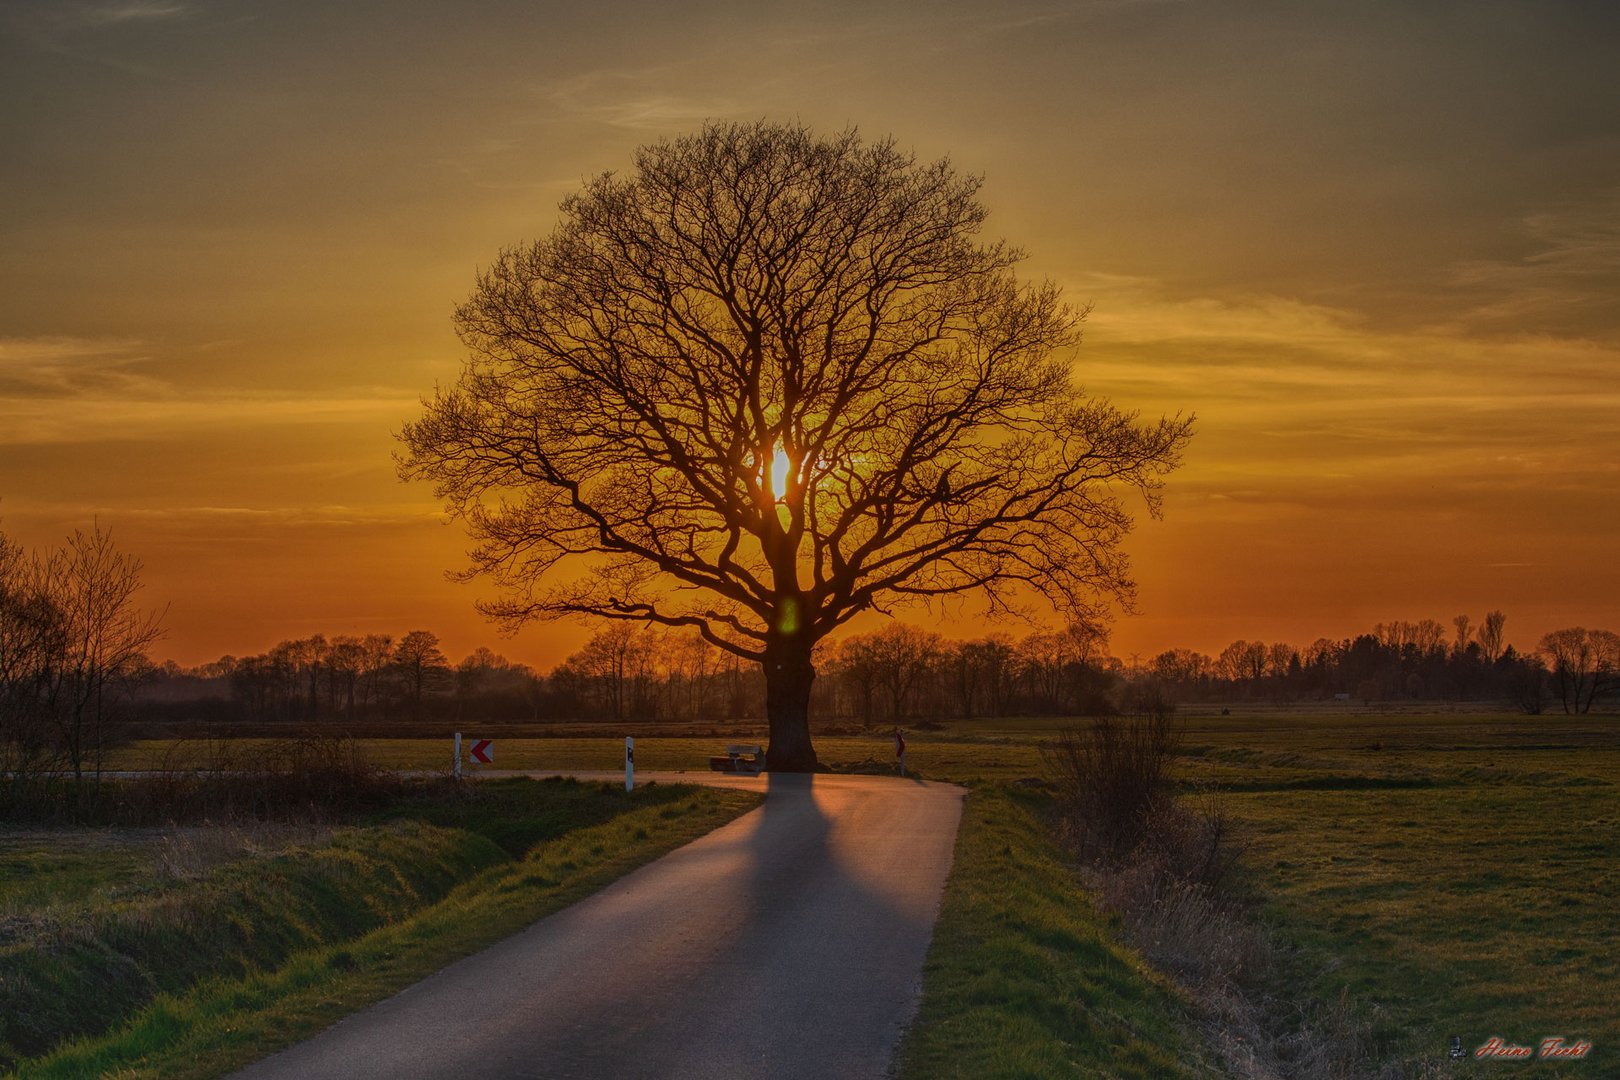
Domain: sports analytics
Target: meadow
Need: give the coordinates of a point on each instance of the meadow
(1421, 874)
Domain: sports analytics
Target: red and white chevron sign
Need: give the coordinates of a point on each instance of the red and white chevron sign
(483, 751)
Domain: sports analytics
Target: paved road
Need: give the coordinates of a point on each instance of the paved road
(787, 944)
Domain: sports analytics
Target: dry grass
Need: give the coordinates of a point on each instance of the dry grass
(191, 851)
(1164, 865)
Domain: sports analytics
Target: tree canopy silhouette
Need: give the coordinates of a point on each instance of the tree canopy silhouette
(767, 381)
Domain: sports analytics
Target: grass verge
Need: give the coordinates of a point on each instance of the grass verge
(226, 1020)
(1025, 978)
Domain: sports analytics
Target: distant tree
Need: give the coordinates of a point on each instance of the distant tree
(376, 664)
(1244, 661)
(611, 659)
(690, 661)
(1058, 667)
(768, 381)
(1490, 635)
(901, 655)
(1585, 665)
(1183, 667)
(474, 671)
(998, 658)
(1421, 637)
(978, 673)
(345, 660)
(496, 687)
(858, 667)
(1281, 658)
(1464, 634)
(420, 661)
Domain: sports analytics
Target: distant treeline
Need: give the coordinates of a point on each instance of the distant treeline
(900, 674)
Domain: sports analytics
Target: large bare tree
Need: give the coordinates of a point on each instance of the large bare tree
(767, 381)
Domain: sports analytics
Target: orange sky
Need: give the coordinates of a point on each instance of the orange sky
(1376, 251)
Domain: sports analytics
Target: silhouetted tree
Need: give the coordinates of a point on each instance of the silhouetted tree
(73, 643)
(419, 659)
(768, 381)
(105, 637)
(611, 660)
(897, 655)
(1490, 635)
(1585, 665)
(1465, 634)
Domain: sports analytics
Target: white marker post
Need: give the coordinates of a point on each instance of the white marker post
(457, 765)
(629, 763)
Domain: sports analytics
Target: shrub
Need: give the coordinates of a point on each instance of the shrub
(1113, 780)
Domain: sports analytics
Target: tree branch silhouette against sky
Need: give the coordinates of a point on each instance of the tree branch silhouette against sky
(1374, 248)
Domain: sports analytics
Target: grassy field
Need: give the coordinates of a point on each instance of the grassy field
(164, 964)
(1444, 874)
(1440, 873)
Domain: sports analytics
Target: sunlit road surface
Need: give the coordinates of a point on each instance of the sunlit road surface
(788, 943)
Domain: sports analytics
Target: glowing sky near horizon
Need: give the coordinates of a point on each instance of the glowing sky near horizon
(1375, 247)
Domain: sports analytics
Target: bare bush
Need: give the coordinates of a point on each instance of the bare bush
(1114, 779)
(1164, 865)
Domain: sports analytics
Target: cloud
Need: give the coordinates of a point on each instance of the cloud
(69, 366)
(1307, 405)
(85, 390)
(97, 419)
(131, 11)
(1569, 276)
(633, 100)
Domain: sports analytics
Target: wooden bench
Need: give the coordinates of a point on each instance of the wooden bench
(749, 760)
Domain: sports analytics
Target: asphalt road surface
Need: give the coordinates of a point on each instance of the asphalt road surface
(787, 944)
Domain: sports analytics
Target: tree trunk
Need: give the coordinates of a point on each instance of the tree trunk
(788, 675)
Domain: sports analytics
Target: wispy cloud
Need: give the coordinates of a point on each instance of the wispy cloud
(1570, 274)
(633, 100)
(1307, 405)
(130, 11)
(68, 366)
(86, 390)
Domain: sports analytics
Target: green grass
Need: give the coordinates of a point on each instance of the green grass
(1451, 873)
(1025, 978)
(261, 953)
(45, 868)
(1447, 874)
(1471, 909)
(80, 976)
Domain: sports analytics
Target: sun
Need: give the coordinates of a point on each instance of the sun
(781, 468)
